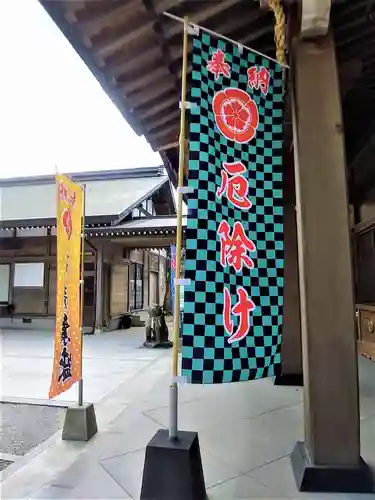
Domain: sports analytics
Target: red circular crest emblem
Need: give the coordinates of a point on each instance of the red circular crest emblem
(236, 114)
(66, 219)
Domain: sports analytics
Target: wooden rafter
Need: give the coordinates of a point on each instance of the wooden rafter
(170, 145)
(173, 28)
(108, 45)
(144, 96)
(144, 80)
(126, 67)
(158, 107)
(135, 53)
(72, 13)
(111, 17)
(170, 130)
(151, 125)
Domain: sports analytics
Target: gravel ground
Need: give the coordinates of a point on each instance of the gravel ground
(22, 426)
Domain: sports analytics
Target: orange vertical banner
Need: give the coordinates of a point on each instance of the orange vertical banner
(67, 363)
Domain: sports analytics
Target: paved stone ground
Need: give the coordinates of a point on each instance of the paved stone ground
(22, 427)
(109, 360)
(246, 432)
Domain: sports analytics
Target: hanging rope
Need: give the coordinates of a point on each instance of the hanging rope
(278, 12)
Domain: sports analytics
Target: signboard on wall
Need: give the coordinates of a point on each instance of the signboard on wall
(154, 262)
(136, 256)
(233, 307)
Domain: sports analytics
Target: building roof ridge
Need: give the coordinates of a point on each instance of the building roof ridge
(89, 176)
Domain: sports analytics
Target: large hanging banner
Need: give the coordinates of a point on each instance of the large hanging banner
(67, 353)
(234, 238)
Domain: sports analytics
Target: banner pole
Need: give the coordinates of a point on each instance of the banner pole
(173, 417)
(82, 290)
(223, 37)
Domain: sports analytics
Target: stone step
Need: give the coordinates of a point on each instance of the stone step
(136, 320)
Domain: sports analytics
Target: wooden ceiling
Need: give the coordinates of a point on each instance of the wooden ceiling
(135, 52)
(353, 23)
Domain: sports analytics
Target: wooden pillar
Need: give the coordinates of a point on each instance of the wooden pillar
(99, 291)
(329, 459)
(47, 272)
(291, 349)
(146, 279)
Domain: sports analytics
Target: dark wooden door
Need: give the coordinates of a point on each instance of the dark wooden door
(89, 300)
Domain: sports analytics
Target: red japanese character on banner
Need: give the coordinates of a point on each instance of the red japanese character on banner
(64, 195)
(258, 78)
(236, 186)
(234, 247)
(217, 65)
(242, 309)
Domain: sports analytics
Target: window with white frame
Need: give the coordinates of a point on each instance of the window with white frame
(150, 207)
(144, 206)
(4, 282)
(29, 274)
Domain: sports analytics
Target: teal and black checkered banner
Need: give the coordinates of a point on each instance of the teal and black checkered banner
(233, 309)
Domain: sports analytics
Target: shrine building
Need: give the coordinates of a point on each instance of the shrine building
(130, 223)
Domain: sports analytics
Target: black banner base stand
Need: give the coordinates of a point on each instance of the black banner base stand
(173, 468)
(80, 423)
(330, 479)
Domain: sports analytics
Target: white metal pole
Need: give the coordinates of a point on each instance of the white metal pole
(82, 290)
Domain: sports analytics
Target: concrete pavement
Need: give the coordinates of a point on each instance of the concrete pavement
(246, 433)
(109, 360)
(26, 422)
